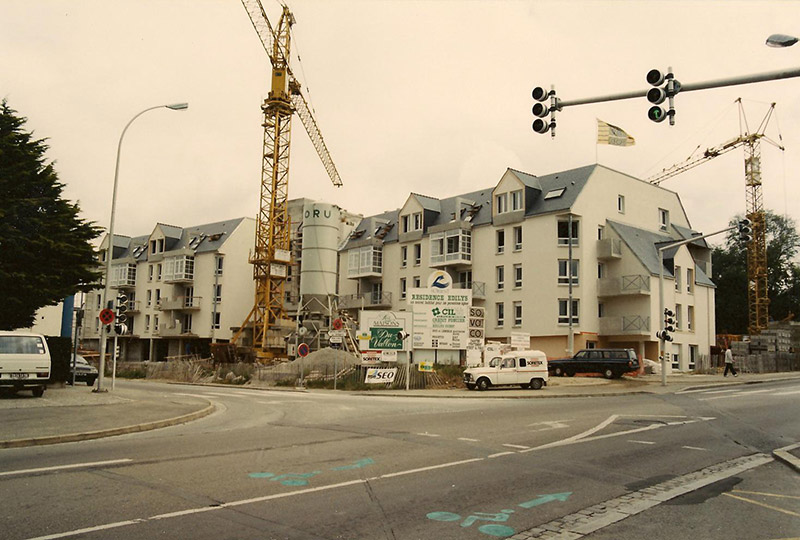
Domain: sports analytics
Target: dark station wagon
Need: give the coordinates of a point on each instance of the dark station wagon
(611, 363)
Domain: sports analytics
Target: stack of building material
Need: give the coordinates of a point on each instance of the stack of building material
(740, 348)
(782, 338)
(763, 343)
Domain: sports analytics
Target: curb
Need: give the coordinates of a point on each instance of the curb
(783, 455)
(111, 432)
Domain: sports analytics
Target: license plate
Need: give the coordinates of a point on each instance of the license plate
(19, 375)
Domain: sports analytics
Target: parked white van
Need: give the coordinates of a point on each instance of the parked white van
(526, 369)
(24, 362)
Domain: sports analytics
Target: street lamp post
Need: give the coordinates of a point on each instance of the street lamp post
(110, 248)
(661, 249)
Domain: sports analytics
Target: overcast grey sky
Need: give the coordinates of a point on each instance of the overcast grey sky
(429, 96)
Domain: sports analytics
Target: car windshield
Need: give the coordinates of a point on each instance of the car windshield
(495, 361)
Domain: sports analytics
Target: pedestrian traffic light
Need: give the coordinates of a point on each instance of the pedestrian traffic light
(745, 230)
(540, 110)
(658, 94)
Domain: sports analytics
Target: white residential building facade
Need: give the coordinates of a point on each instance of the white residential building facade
(511, 245)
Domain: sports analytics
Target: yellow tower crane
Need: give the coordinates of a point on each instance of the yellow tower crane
(757, 295)
(272, 255)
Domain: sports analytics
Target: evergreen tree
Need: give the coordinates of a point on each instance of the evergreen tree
(46, 253)
(783, 275)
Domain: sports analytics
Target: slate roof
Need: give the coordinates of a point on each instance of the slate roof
(644, 244)
(572, 181)
(200, 238)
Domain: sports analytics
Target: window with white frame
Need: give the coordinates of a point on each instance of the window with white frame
(187, 322)
(564, 312)
(517, 313)
(601, 232)
(417, 221)
(564, 271)
(402, 288)
(365, 260)
(601, 270)
(155, 323)
(663, 219)
(411, 222)
(217, 293)
(518, 238)
(694, 353)
(417, 254)
(218, 270)
(601, 310)
(452, 245)
(678, 317)
(403, 256)
(501, 241)
(147, 323)
(149, 297)
(690, 281)
(216, 317)
(516, 200)
(500, 272)
(564, 233)
(518, 276)
(150, 272)
(677, 279)
(501, 203)
(500, 312)
(621, 204)
(690, 318)
(417, 282)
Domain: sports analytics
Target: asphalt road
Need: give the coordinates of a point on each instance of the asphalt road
(274, 465)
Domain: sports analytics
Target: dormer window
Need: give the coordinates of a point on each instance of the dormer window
(516, 200)
(501, 203)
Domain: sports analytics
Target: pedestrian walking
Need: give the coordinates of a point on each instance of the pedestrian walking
(729, 364)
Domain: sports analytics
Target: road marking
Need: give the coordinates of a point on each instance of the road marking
(641, 442)
(766, 494)
(221, 394)
(787, 393)
(738, 394)
(500, 454)
(64, 467)
(517, 446)
(695, 448)
(426, 434)
(762, 504)
(468, 440)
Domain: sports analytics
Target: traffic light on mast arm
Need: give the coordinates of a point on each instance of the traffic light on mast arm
(657, 95)
(745, 230)
(540, 110)
(120, 309)
(669, 321)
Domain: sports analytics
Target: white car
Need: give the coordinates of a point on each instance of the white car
(526, 369)
(24, 362)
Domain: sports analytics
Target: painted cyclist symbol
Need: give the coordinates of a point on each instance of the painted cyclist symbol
(499, 531)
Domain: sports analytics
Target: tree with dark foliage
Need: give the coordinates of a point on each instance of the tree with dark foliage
(783, 275)
(46, 253)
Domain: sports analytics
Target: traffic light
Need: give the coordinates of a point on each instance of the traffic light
(669, 321)
(540, 110)
(120, 307)
(658, 94)
(745, 230)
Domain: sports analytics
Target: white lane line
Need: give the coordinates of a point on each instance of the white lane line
(577, 437)
(641, 442)
(500, 454)
(517, 446)
(64, 467)
(724, 391)
(695, 448)
(222, 395)
(426, 434)
(787, 393)
(468, 440)
(739, 394)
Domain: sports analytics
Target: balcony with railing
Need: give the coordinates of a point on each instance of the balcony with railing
(623, 286)
(625, 325)
(179, 303)
(366, 261)
(609, 248)
(134, 306)
(478, 288)
(366, 300)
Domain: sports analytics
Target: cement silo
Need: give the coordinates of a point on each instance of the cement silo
(321, 231)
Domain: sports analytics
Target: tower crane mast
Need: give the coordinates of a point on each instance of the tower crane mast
(757, 294)
(272, 255)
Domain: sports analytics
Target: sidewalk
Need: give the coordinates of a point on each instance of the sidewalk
(67, 414)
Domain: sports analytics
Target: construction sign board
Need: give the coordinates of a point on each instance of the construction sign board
(441, 314)
(384, 330)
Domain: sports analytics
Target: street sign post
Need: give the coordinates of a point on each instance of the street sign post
(106, 316)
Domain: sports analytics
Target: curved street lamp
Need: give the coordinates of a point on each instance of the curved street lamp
(781, 40)
(110, 248)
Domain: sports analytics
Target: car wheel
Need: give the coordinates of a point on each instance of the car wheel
(38, 391)
(483, 384)
(609, 373)
(536, 384)
(559, 372)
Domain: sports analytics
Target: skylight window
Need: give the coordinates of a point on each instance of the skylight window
(555, 193)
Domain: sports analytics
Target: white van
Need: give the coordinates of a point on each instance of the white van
(526, 369)
(24, 362)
